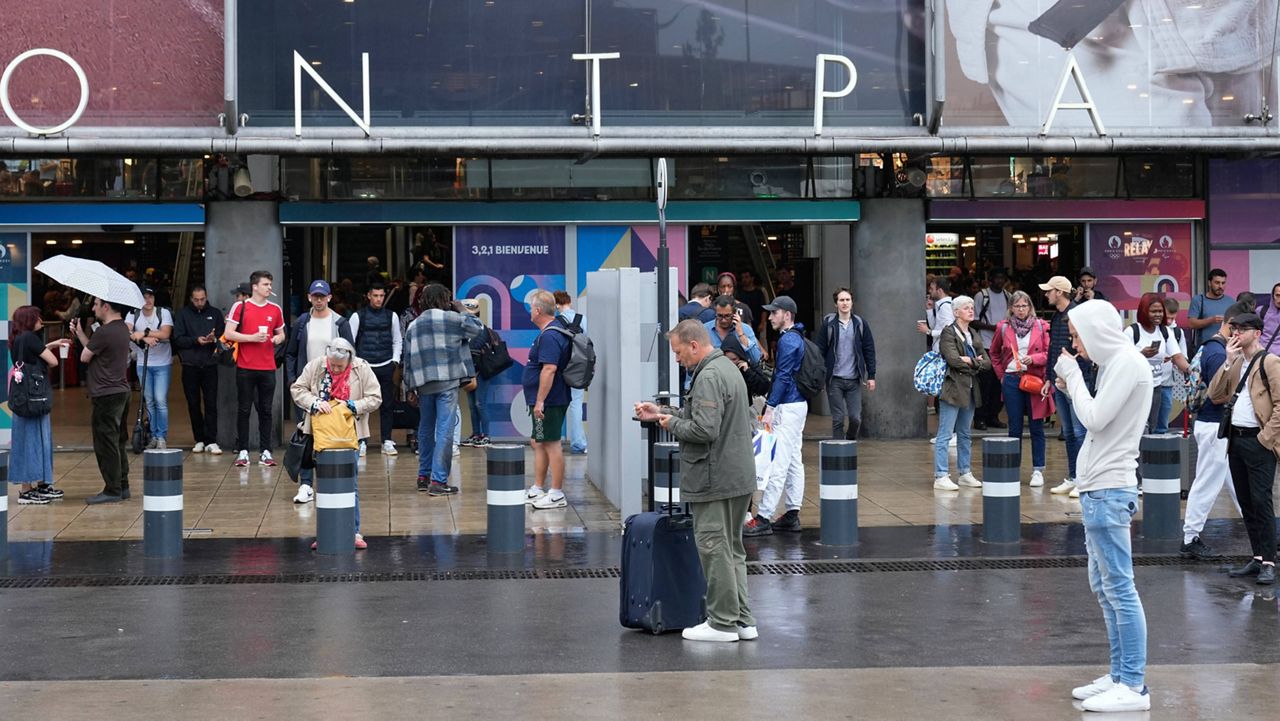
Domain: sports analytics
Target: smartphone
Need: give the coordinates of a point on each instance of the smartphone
(739, 311)
(1155, 345)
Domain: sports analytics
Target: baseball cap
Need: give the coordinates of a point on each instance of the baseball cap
(242, 289)
(1087, 270)
(320, 287)
(1247, 320)
(148, 290)
(782, 302)
(1057, 282)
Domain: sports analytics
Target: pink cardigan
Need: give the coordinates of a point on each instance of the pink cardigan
(1003, 345)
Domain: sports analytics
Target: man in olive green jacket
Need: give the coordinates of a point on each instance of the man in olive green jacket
(717, 476)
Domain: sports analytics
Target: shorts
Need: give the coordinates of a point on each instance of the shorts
(551, 427)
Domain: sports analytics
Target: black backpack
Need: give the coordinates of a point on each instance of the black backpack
(493, 358)
(29, 394)
(811, 378)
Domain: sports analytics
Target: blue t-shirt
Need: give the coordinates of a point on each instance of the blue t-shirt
(550, 347)
(1212, 356)
(1203, 306)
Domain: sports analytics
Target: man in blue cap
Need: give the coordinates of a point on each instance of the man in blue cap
(311, 334)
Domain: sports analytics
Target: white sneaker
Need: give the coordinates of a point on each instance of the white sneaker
(364, 449)
(944, 483)
(1119, 698)
(198, 448)
(1075, 493)
(389, 448)
(1093, 688)
(704, 632)
(550, 500)
(242, 458)
(1037, 479)
(950, 444)
(213, 448)
(161, 444)
(533, 494)
(265, 459)
(457, 450)
(968, 480)
(1063, 488)
(748, 633)
(305, 494)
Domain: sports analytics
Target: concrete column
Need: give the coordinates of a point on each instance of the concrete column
(887, 268)
(241, 237)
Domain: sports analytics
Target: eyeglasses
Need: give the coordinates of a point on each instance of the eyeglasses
(1021, 305)
(724, 316)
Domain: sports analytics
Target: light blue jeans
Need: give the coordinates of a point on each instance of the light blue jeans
(1161, 406)
(1072, 429)
(478, 399)
(573, 422)
(156, 396)
(437, 414)
(953, 419)
(1107, 514)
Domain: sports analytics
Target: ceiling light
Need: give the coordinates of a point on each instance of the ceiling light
(128, 241)
(51, 241)
(76, 241)
(771, 237)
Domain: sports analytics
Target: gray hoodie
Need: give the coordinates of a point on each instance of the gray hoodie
(1116, 415)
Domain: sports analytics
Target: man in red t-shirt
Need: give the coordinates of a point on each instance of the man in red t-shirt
(257, 327)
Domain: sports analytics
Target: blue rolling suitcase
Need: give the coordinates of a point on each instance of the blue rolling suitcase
(662, 587)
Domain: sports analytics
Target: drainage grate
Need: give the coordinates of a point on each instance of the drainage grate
(789, 568)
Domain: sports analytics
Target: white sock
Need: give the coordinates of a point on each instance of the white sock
(556, 494)
(536, 489)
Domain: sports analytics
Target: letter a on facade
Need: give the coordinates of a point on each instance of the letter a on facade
(1072, 72)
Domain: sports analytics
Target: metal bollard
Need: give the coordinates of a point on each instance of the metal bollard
(504, 465)
(1160, 458)
(162, 503)
(666, 475)
(335, 478)
(1001, 490)
(838, 492)
(4, 505)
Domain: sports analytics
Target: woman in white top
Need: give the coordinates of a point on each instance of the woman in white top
(152, 327)
(1165, 350)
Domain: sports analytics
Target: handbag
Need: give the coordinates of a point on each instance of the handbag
(29, 394)
(297, 455)
(334, 430)
(1027, 383)
(493, 358)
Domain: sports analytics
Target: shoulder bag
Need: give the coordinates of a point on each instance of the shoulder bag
(1027, 383)
(1224, 425)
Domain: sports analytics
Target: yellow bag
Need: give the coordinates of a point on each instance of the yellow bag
(334, 430)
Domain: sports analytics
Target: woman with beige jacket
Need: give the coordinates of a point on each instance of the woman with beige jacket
(338, 377)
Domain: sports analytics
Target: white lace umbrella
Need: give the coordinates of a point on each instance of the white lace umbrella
(94, 278)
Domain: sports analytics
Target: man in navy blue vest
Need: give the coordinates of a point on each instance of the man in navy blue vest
(378, 341)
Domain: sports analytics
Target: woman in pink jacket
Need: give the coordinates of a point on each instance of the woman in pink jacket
(1020, 349)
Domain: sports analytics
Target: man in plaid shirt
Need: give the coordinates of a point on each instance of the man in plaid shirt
(437, 357)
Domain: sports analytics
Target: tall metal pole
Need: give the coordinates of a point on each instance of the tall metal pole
(664, 282)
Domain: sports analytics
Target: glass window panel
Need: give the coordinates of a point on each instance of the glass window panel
(503, 62)
(1160, 176)
(1045, 177)
(112, 178)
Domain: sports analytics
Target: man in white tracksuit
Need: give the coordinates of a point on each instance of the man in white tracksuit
(1106, 477)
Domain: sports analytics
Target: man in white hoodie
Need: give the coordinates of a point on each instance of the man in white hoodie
(1106, 477)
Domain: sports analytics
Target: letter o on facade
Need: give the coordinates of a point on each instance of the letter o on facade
(8, 107)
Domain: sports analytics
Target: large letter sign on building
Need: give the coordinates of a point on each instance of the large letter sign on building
(1072, 72)
(300, 64)
(594, 108)
(8, 107)
(819, 85)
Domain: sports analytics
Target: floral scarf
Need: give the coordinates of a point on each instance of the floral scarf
(1022, 327)
(335, 386)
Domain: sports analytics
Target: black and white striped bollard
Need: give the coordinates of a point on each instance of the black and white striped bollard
(335, 477)
(1160, 458)
(504, 465)
(4, 505)
(162, 503)
(838, 492)
(666, 475)
(1001, 490)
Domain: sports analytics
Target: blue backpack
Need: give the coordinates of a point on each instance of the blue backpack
(930, 371)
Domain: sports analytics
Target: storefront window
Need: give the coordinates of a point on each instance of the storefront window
(1048, 176)
(144, 179)
(761, 177)
(376, 178)
(499, 62)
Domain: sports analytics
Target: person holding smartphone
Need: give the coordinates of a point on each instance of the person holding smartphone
(730, 331)
(1164, 350)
